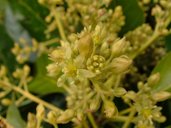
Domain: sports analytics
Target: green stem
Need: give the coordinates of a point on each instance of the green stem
(118, 80)
(20, 100)
(130, 118)
(119, 119)
(59, 24)
(85, 125)
(30, 96)
(125, 111)
(91, 119)
(49, 42)
(55, 126)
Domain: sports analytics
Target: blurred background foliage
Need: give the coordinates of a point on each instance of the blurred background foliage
(25, 19)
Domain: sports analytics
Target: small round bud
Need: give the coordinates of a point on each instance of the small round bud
(6, 101)
(120, 64)
(110, 109)
(119, 47)
(66, 116)
(40, 111)
(95, 103)
(26, 69)
(153, 79)
(161, 96)
(52, 117)
(119, 92)
(32, 121)
(85, 45)
(16, 49)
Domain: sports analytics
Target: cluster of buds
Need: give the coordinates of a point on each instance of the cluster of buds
(22, 77)
(51, 117)
(24, 51)
(144, 102)
(162, 12)
(4, 91)
(83, 13)
(83, 69)
(137, 37)
(144, 4)
(22, 73)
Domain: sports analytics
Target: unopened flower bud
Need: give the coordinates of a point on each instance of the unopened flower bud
(161, 96)
(110, 109)
(66, 116)
(32, 121)
(16, 49)
(160, 119)
(95, 104)
(85, 45)
(119, 92)
(40, 111)
(52, 117)
(119, 47)
(18, 73)
(130, 95)
(120, 64)
(26, 69)
(6, 101)
(153, 79)
(80, 116)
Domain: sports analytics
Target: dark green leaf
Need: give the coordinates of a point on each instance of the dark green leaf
(6, 57)
(14, 117)
(31, 15)
(42, 84)
(133, 13)
(14, 28)
(164, 68)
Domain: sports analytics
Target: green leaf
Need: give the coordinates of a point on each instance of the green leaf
(42, 84)
(6, 57)
(164, 68)
(14, 117)
(14, 28)
(31, 15)
(133, 13)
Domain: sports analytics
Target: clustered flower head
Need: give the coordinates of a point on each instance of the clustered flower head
(83, 13)
(91, 64)
(144, 101)
(83, 66)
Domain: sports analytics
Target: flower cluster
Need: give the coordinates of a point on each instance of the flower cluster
(144, 102)
(87, 68)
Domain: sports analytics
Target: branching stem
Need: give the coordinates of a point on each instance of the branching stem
(59, 24)
(30, 96)
(130, 117)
